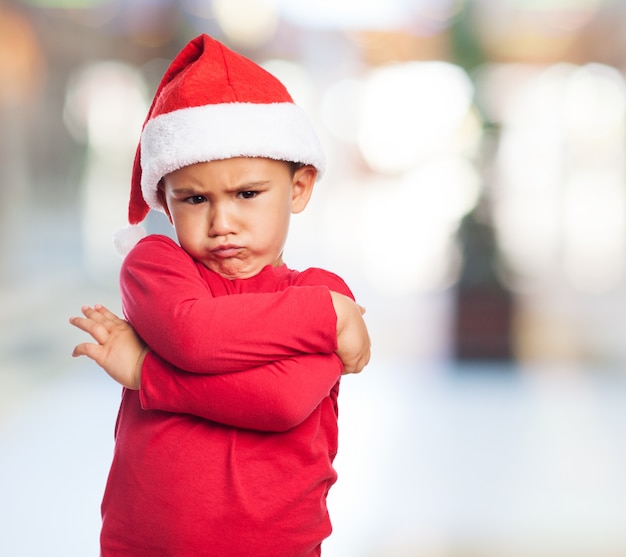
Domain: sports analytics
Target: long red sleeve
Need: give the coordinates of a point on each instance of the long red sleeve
(182, 311)
(275, 397)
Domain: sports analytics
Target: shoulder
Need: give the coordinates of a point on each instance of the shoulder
(321, 277)
(152, 245)
(156, 250)
(154, 242)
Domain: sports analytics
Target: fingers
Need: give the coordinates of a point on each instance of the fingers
(89, 349)
(97, 322)
(97, 313)
(98, 331)
(79, 350)
(101, 313)
(79, 323)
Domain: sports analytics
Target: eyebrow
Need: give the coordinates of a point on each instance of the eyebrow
(241, 187)
(249, 185)
(186, 191)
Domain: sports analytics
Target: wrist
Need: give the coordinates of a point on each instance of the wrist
(139, 367)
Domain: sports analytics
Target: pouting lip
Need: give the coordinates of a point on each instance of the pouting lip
(225, 247)
(226, 250)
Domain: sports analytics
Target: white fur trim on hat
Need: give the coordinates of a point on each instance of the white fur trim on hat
(170, 141)
(125, 238)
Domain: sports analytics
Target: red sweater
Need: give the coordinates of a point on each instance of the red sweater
(227, 448)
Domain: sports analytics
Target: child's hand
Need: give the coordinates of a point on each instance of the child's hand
(353, 341)
(120, 352)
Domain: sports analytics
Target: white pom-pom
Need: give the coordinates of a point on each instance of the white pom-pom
(126, 238)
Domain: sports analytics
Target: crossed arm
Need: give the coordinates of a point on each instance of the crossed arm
(272, 396)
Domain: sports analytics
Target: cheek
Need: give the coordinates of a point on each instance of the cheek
(184, 222)
(278, 211)
(280, 225)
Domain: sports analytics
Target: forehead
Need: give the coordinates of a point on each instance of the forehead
(229, 171)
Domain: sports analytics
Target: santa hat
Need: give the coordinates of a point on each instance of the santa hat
(213, 103)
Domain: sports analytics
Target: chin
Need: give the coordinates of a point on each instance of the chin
(233, 271)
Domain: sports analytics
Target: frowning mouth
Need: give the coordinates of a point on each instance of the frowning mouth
(226, 251)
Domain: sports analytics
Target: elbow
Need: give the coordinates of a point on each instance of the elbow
(288, 415)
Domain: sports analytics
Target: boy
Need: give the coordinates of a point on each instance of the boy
(228, 423)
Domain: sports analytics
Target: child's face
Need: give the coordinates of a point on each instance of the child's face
(233, 215)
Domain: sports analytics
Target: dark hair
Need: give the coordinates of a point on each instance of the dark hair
(293, 166)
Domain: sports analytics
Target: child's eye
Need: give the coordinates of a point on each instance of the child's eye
(247, 194)
(195, 199)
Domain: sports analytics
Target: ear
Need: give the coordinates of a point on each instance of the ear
(302, 187)
(162, 200)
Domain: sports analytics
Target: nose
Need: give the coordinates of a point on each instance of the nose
(222, 220)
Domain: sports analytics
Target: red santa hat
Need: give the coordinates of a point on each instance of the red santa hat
(213, 103)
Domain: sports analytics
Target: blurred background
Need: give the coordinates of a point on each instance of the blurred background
(475, 202)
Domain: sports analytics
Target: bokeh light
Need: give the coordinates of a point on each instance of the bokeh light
(411, 112)
(247, 23)
(563, 212)
(105, 107)
(408, 226)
